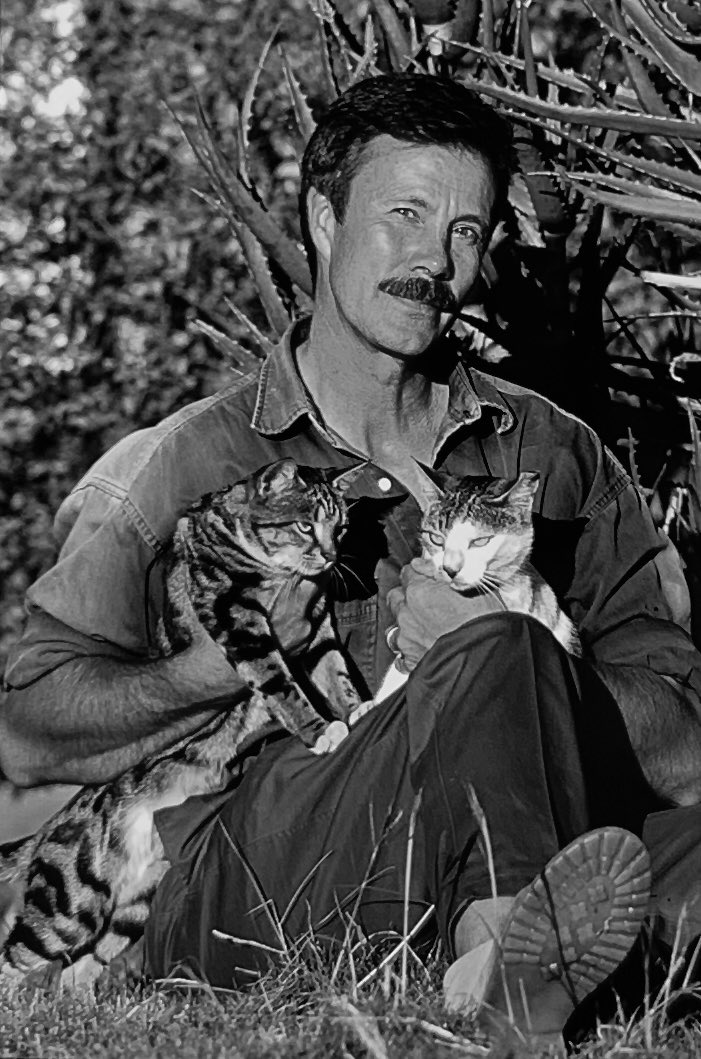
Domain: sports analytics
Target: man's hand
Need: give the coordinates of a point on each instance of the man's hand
(425, 607)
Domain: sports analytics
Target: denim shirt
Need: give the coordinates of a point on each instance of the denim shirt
(618, 577)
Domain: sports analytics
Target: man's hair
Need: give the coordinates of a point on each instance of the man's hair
(414, 108)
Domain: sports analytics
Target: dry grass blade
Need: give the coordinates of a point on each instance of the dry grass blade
(401, 947)
(364, 1027)
(265, 902)
(407, 887)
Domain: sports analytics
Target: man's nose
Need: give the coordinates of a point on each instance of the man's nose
(431, 257)
(452, 562)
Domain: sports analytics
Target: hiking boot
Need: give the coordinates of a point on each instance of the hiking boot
(525, 962)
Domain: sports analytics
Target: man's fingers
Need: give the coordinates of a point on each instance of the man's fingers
(395, 599)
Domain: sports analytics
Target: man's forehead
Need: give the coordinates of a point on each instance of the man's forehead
(389, 166)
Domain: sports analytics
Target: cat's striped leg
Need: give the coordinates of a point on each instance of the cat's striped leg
(328, 670)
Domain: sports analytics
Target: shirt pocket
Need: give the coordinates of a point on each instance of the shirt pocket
(356, 624)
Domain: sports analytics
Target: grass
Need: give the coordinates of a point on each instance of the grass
(305, 1009)
(369, 997)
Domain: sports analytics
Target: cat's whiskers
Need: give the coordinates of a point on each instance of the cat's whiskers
(351, 571)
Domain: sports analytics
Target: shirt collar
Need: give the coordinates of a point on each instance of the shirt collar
(282, 398)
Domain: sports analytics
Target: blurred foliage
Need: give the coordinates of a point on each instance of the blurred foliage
(109, 259)
(106, 255)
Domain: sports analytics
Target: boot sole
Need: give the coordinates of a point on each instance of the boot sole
(579, 918)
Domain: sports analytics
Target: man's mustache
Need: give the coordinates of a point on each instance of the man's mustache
(433, 292)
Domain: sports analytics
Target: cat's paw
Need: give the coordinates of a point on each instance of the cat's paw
(334, 734)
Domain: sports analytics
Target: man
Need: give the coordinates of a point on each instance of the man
(403, 182)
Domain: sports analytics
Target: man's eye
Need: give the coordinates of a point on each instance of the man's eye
(466, 234)
(306, 528)
(406, 211)
(479, 542)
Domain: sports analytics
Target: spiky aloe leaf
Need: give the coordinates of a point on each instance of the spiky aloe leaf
(240, 359)
(524, 32)
(549, 201)
(600, 118)
(522, 205)
(465, 22)
(675, 176)
(669, 21)
(257, 261)
(667, 279)
(632, 187)
(684, 211)
(695, 464)
(302, 111)
(367, 67)
(395, 34)
(686, 12)
(620, 34)
(344, 36)
(267, 347)
(682, 66)
(329, 80)
(246, 112)
(569, 79)
(233, 200)
(644, 88)
(488, 38)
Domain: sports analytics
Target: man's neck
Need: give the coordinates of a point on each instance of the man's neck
(377, 404)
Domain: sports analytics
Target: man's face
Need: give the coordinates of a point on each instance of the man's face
(408, 251)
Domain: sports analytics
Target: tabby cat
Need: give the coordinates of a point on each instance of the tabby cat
(243, 559)
(479, 536)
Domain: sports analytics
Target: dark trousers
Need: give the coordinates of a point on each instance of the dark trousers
(496, 707)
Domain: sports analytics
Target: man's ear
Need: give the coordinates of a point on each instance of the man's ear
(322, 223)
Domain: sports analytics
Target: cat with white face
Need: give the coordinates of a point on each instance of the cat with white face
(478, 536)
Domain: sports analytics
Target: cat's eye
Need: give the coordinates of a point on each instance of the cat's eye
(305, 527)
(436, 539)
(479, 542)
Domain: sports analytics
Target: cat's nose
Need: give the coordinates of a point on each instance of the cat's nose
(452, 563)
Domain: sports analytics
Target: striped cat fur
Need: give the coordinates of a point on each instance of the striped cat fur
(246, 559)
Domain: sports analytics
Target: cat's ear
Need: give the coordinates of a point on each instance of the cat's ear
(342, 478)
(516, 492)
(276, 479)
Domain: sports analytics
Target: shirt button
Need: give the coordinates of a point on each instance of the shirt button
(385, 484)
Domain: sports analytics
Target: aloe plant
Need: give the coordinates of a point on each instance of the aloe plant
(605, 210)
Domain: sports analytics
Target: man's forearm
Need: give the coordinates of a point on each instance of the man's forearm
(92, 718)
(664, 726)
